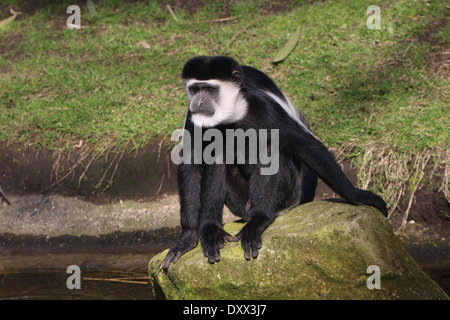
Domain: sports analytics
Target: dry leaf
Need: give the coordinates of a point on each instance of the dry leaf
(290, 45)
(143, 44)
(7, 21)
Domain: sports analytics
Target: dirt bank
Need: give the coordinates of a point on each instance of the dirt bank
(55, 195)
(138, 175)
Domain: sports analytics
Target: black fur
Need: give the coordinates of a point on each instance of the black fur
(206, 68)
(205, 189)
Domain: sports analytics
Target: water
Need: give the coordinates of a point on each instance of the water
(51, 285)
(120, 272)
(103, 277)
(120, 276)
(112, 267)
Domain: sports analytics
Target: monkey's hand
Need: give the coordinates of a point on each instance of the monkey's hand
(361, 197)
(250, 236)
(212, 239)
(188, 241)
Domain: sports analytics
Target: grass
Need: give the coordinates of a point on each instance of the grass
(375, 96)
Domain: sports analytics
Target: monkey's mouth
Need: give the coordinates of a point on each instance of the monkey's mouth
(207, 113)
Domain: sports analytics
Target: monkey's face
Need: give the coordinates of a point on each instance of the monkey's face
(204, 98)
(214, 102)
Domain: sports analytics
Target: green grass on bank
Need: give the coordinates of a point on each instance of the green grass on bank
(374, 94)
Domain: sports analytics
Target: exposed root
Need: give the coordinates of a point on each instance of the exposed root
(420, 171)
(3, 198)
(85, 153)
(123, 280)
(445, 185)
(56, 168)
(114, 172)
(94, 156)
(245, 29)
(395, 175)
(160, 184)
(171, 12)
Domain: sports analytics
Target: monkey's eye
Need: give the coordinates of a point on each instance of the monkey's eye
(194, 90)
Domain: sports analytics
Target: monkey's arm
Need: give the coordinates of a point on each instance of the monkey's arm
(189, 185)
(311, 151)
(212, 235)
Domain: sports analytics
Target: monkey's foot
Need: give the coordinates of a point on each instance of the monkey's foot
(188, 241)
(212, 239)
(250, 236)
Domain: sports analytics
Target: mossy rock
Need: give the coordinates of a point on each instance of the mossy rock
(320, 250)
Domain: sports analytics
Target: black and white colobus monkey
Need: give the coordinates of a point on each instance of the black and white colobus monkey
(225, 95)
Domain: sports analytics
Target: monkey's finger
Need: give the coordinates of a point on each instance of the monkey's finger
(234, 239)
(237, 237)
(172, 257)
(258, 242)
(177, 256)
(228, 237)
(254, 252)
(213, 254)
(217, 255)
(221, 242)
(168, 260)
(256, 245)
(217, 246)
(246, 247)
(210, 251)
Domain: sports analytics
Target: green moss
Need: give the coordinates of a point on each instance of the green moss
(319, 250)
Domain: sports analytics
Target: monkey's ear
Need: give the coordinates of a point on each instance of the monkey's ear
(237, 77)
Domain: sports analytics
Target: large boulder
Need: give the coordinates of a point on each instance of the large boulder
(320, 250)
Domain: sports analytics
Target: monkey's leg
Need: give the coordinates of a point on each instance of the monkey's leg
(268, 194)
(237, 193)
